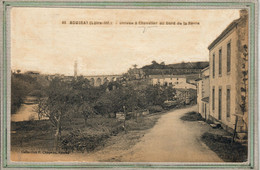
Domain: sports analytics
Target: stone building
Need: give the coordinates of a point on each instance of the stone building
(167, 79)
(203, 93)
(176, 81)
(227, 66)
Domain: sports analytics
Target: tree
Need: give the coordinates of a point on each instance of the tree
(85, 109)
(41, 108)
(154, 62)
(162, 63)
(21, 86)
(55, 106)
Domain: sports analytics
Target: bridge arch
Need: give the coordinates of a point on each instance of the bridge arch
(114, 79)
(92, 81)
(98, 82)
(105, 80)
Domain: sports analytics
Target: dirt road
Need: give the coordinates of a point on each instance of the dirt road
(170, 140)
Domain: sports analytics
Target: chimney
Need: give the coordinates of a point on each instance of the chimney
(243, 13)
(76, 69)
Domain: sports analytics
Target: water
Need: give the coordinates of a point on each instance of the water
(25, 113)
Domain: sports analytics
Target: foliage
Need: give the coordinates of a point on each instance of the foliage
(65, 101)
(155, 109)
(80, 141)
(192, 116)
(23, 85)
(243, 105)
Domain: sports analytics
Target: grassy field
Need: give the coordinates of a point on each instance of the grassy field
(38, 135)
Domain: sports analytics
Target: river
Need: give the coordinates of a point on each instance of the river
(26, 111)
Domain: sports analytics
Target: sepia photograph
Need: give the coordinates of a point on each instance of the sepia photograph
(137, 84)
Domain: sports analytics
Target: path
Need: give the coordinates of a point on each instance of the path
(172, 140)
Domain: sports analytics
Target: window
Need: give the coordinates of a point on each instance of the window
(228, 103)
(213, 98)
(228, 57)
(213, 65)
(220, 61)
(219, 103)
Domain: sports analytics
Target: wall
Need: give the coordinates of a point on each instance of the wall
(203, 89)
(225, 80)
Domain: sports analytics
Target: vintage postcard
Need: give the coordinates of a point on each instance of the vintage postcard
(129, 85)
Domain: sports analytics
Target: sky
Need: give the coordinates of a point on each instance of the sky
(40, 42)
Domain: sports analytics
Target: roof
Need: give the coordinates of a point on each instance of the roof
(206, 68)
(167, 76)
(205, 99)
(225, 32)
(198, 79)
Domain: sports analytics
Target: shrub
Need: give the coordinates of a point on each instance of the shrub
(78, 141)
(192, 116)
(154, 109)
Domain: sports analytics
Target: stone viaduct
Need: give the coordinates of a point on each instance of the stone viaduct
(98, 80)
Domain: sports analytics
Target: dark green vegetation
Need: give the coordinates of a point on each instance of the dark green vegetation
(177, 69)
(76, 136)
(81, 117)
(223, 147)
(38, 135)
(23, 85)
(192, 116)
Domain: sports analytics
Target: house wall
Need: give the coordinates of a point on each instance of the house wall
(184, 86)
(243, 40)
(203, 89)
(199, 96)
(204, 111)
(224, 80)
(168, 80)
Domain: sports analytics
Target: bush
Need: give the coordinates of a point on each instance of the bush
(154, 109)
(78, 141)
(192, 116)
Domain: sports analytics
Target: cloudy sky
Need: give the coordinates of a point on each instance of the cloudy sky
(40, 42)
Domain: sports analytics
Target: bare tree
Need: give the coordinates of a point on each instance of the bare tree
(55, 106)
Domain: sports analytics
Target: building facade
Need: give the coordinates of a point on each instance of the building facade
(167, 79)
(176, 81)
(226, 55)
(203, 89)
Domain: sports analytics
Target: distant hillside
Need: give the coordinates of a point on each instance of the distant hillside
(179, 68)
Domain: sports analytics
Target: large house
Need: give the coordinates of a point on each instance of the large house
(176, 81)
(227, 87)
(203, 93)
